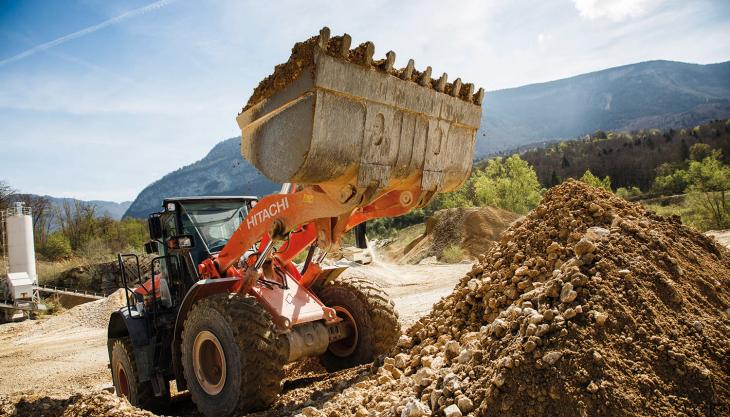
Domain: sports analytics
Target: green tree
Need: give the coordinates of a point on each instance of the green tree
(554, 179)
(56, 247)
(595, 181)
(629, 192)
(700, 151)
(709, 181)
(684, 149)
(78, 222)
(672, 183)
(510, 184)
(462, 197)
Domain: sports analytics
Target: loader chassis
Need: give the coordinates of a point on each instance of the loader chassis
(181, 326)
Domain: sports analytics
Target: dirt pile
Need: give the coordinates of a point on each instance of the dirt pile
(473, 229)
(302, 59)
(590, 305)
(91, 405)
(93, 314)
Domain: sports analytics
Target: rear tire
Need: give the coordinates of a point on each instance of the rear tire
(231, 356)
(126, 378)
(376, 326)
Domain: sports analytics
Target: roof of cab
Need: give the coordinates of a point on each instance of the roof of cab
(209, 198)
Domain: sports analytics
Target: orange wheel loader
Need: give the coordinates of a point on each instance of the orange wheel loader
(352, 139)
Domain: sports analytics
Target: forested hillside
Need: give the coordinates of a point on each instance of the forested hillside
(629, 159)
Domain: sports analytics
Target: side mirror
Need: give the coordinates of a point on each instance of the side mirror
(180, 242)
(155, 225)
(150, 247)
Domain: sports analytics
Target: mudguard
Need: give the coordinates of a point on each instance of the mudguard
(123, 324)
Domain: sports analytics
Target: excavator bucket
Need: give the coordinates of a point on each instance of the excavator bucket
(333, 115)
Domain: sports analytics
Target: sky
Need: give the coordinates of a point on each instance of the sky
(100, 98)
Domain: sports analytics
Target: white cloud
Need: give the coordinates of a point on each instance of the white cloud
(615, 10)
(86, 31)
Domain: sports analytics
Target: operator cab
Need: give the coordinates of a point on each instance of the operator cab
(187, 231)
(208, 221)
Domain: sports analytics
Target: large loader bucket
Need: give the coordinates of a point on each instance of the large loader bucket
(332, 115)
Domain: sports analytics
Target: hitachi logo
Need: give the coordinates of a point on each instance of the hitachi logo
(267, 213)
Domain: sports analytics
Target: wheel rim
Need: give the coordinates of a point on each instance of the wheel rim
(346, 346)
(123, 381)
(209, 362)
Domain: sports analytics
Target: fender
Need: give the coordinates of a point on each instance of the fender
(200, 289)
(122, 324)
(327, 275)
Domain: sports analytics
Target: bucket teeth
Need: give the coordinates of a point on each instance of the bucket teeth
(369, 52)
(389, 61)
(408, 70)
(469, 91)
(345, 47)
(456, 87)
(425, 77)
(339, 46)
(479, 98)
(324, 38)
(304, 55)
(441, 84)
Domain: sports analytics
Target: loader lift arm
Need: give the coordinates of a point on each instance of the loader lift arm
(307, 215)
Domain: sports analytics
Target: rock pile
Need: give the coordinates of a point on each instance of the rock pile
(101, 404)
(590, 305)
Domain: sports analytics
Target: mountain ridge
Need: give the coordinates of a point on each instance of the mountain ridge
(650, 94)
(223, 171)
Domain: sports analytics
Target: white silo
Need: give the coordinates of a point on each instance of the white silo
(21, 250)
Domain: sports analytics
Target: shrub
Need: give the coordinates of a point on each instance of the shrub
(624, 192)
(452, 254)
(595, 181)
(56, 247)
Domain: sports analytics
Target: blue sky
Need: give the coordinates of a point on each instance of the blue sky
(99, 98)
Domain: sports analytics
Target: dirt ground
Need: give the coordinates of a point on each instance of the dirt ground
(60, 357)
(57, 355)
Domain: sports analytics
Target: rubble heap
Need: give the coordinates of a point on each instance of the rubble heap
(590, 305)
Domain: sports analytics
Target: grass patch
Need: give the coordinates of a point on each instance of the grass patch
(50, 271)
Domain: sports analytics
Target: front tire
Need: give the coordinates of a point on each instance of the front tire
(371, 315)
(126, 378)
(231, 356)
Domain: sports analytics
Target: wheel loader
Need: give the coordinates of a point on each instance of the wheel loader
(226, 306)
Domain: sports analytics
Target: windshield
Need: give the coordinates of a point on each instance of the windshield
(214, 222)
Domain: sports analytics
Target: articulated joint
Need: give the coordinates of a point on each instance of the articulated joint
(311, 339)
